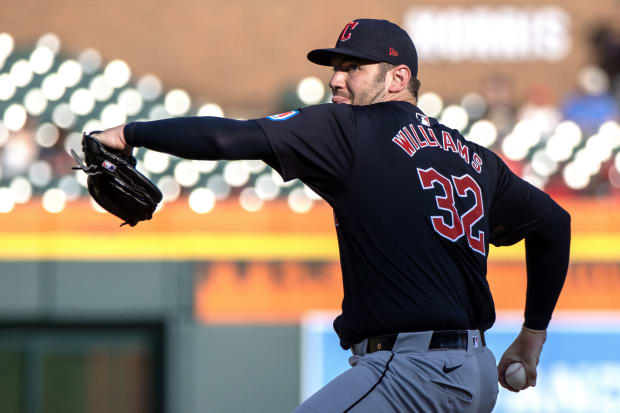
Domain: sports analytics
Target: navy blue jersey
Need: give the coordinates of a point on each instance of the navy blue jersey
(415, 206)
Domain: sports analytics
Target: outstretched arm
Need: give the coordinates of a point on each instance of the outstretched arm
(547, 252)
(193, 138)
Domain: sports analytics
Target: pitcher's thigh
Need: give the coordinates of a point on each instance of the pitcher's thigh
(346, 390)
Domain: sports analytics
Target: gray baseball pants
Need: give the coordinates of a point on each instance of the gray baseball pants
(412, 378)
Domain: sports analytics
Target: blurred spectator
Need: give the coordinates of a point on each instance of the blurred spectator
(539, 108)
(606, 45)
(498, 91)
(592, 104)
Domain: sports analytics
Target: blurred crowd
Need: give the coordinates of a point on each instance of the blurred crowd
(568, 144)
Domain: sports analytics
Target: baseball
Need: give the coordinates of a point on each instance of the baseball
(515, 376)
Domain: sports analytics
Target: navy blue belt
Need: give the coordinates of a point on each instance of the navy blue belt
(448, 339)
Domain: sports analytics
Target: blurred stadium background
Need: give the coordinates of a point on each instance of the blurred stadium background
(224, 301)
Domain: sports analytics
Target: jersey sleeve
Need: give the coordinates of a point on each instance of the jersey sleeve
(517, 209)
(315, 144)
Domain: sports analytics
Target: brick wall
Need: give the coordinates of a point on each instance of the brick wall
(243, 54)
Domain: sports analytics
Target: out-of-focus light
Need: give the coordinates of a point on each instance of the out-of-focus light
(593, 80)
(557, 149)
(131, 101)
(201, 200)
(204, 167)
(185, 173)
(70, 73)
(73, 141)
(527, 132)
(575, 178)
(158, 112)
(254, 166)
(18, 154)
(40, 173)
(63, 116)
(298, 201)
(81, 178)
(454, 117)
(93, 125)
(21, 73)
(113, 115)
(49, 41)
(569, 132)
(97, 207)
(310, 90)
(117, 73)
(611, 130)
(587, 162)
(7, 87)
(82, 102)
(177, 102)
(617, 161)
(7, 202)
(6, 45)
(279, 181)
(41, 60)
(235, 174)
(35, 102)
(483, 132)
(53, 88)
(311, 194)
(542, 164)
(474, 104)
(21, 188)
(100, 88)
(514, 148)
(533, 178)
(140, 168)
(431, 104)
(211, 109)
(249, 200)
(156, 162)
(15, 117)
(218, 185)
(600, 146)
(169, 188)
(54, 200)
(150, 87)
(266, 189)
(71, 187)
(4, 134)
(47, 135)
(90, 60)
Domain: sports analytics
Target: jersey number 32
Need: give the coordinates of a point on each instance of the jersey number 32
(461, 224)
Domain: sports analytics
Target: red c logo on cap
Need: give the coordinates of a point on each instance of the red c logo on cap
(346, 32)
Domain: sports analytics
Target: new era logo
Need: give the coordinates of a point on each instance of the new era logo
(393, 52)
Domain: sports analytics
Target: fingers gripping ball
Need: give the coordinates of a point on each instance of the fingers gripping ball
(515, 376)
(115, 183)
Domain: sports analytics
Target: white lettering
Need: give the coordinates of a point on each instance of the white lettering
(486, 34)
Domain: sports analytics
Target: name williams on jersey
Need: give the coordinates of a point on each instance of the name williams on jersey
(416, 137)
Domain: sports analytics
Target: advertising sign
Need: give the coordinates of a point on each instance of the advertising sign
(579, 369)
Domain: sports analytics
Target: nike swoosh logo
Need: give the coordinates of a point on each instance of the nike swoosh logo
(450, 369)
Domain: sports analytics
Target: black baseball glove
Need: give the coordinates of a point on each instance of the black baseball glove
(114, 182)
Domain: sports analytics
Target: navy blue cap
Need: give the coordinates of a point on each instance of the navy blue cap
(371, 39)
